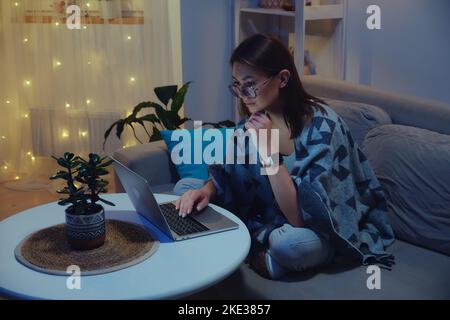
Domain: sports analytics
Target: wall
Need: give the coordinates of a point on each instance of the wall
(409, 55)
(206, 32)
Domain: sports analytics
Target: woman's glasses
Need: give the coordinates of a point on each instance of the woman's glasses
(247, 90)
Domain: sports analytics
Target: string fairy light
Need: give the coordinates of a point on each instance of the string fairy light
(16, 4)
(132, 79)
(67, 105)
(3, 138)
(17, 178)
(88, 101)
(8, 102)
(25, 40)
(129, 37)
(27, 83)
(65, 134)
(83, 133)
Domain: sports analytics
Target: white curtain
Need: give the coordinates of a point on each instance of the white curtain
(60, 89)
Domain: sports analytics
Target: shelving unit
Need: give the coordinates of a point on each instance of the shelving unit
(320, 29)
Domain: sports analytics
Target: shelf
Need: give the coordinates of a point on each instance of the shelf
(322, 12)
(277, 12)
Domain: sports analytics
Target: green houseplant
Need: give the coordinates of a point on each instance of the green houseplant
(166, 116)
(85, 218)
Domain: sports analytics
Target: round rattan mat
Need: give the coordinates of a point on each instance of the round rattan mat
(126, 244)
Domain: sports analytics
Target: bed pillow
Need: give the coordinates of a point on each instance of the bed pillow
(413, 166)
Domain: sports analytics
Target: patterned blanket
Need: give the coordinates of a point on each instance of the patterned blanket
(337, 191)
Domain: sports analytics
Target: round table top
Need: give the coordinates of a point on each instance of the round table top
(177, 269)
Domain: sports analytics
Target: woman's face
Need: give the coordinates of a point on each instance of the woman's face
(267, 92)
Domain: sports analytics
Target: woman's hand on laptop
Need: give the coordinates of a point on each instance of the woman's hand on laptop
(196, 197)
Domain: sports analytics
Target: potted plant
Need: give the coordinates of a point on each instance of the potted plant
(166, 116)
(85, 218)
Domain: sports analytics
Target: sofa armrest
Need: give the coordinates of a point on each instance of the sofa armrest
(151, 160)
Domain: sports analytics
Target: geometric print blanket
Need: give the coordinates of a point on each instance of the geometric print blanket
(337, 191)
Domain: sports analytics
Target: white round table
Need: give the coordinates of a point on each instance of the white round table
(175, 270)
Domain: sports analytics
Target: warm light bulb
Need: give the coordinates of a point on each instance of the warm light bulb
(25, 40)
(8, 102)
(29, 153)
(67, 105)
(65, 134)
(17, 178)
(26, 115)
(27, 82)
(84, 27)
(83, 133)
(3, 137)
(58, 63)
(88, 101)
(16, 4)
(129, 38)
(89, 63)
(5, 167)
(33, 158)
(132, 79)
(56, 23)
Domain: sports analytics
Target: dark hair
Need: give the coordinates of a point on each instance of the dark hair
(269, 55)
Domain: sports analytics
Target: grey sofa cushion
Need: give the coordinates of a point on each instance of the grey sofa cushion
(413, 166)
(360, 117)
(418, 274)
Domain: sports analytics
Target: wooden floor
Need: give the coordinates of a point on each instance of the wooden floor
(14, 201)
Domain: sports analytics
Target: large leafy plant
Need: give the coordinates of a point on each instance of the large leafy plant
(165, 116)
(84, 182)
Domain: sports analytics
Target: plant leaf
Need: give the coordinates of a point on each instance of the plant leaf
(120, 127)
(107, 202)
(166, 93)
(156, 135)
(178, 100)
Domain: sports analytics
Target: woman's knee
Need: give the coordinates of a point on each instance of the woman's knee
(298, 248)
(186, 184)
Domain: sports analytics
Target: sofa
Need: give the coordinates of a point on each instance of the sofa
(407, 141)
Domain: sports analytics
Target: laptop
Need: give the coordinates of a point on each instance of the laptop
(165, 215)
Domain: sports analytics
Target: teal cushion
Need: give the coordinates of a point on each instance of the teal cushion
(206, 150)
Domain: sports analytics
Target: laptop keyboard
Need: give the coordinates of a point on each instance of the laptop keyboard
(182, 226)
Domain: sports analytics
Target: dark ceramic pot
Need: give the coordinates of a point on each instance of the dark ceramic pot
(86, 232)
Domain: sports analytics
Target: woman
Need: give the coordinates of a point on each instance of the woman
(323, 201)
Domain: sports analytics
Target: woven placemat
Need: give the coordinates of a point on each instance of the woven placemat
(126, 244)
